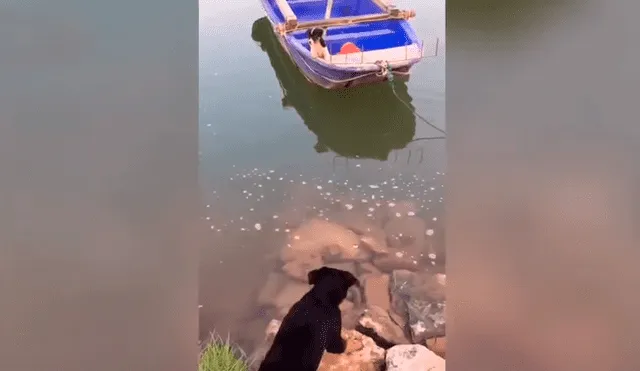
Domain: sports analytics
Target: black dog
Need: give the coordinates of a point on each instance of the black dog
(312, 325)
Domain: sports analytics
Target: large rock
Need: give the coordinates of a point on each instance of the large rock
(413, 358)
(372, 237)
(397, 261)
(376, 290)
(375, 242)
(334, 254)
(316, 236)
(367, 268)
(376, 323)
(362, 354)
(417, 297)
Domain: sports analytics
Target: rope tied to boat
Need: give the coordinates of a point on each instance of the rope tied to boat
(386, 71)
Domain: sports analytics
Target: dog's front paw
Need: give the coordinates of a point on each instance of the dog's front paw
(337, 347)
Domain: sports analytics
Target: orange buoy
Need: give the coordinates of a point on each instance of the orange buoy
(348, 48)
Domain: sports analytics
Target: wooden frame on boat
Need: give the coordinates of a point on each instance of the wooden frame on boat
(291, 23)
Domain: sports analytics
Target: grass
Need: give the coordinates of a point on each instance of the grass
(219, 354)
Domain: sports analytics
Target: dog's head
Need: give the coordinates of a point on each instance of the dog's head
(316, 35)
(335, 283)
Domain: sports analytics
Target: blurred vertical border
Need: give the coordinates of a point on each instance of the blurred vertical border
(99, 196)
(543, 206)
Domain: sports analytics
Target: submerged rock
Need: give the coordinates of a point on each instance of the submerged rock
(375, 242)
(413, 358)
(376, 290)
(400, 260)
(316, 236)
(275, 281)
(300, 267)
(367, 268)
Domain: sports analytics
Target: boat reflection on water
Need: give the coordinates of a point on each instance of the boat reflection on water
(364, 122)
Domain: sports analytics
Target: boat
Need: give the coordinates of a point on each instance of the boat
(383, 43)
(367, 123)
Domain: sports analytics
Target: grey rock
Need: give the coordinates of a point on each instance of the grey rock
(376, 323)
(413, 358)
(416, 301)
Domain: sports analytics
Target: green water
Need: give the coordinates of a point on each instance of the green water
(268, 138)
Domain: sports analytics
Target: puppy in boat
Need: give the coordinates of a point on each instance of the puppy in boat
(317, 44)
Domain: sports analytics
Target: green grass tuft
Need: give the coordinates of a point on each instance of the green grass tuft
(220, 355)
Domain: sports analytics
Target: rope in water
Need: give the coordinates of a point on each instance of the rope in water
(386, 70)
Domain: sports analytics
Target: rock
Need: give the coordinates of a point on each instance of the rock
(362, 354)
(376, 290)
(424, 309)
(438, 345)
(316, 236)
(355, 221)
(375, 243)
(376, 323)
(413, 358)
(274, 283)
(345, 266)
(290, 293)
(367, 268)
(406, 231)
(371, 235)
(334, 255)
(299, 268)
(394, 262)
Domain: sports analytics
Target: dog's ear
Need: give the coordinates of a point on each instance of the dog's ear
(317, 274)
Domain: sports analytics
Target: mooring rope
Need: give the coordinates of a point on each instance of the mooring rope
(385, 69)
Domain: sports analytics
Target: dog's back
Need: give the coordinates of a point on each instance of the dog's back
(312, 325)
(302, 338)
